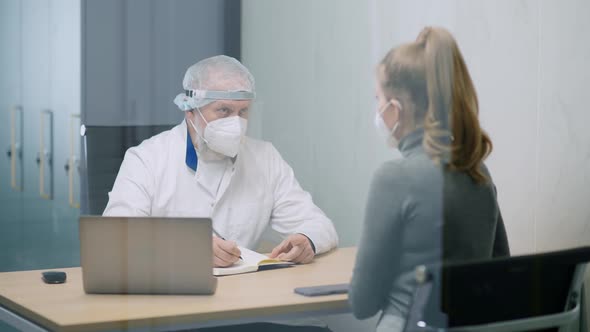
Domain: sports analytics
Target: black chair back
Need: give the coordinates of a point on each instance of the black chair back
(498, 290)
(103, 150)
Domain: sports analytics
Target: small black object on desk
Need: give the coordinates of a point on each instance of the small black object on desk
(323, 290)
(54, 277)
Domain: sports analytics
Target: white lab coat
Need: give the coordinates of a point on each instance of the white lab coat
(257, 190)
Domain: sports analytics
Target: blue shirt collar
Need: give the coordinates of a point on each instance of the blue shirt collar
(191, 159)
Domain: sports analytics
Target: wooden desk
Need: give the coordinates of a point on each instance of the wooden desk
(30, 304)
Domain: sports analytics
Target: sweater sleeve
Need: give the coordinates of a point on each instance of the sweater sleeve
(501, 247)
(372, 276)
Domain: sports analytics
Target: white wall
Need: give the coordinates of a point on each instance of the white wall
(313, 62)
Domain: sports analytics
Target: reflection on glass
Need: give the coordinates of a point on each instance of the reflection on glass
(438, 202)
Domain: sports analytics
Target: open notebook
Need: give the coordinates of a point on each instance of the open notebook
(251, 261)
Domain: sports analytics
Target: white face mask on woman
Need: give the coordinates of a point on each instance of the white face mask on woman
(224, 135)
(381, 126)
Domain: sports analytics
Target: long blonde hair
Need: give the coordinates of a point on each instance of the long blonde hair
(432, 73)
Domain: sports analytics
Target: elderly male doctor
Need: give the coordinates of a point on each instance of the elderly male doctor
(207, 167)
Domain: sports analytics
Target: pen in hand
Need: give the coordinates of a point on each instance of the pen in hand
(221, 237)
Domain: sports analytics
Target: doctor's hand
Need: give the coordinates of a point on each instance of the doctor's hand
(225, 253)
(296, 248)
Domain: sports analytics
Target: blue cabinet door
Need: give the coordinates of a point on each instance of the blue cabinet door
(11, 163)
(36, 226)
(64, 102)
(39, 104)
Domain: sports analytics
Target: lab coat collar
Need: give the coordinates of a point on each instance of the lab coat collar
(191, 158)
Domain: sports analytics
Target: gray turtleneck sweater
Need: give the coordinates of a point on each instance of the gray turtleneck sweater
(418, 213)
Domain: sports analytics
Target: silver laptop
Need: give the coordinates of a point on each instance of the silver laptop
(146, 255)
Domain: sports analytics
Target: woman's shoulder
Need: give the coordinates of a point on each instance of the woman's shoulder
(404, 167)
(390, 170)
(409, 175)
(396, 171)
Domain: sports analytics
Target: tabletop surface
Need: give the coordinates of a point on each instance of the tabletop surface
(65, 307)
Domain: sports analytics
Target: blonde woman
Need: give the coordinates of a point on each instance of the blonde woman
(438, 202)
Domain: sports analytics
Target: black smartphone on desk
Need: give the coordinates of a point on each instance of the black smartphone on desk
(322, 290)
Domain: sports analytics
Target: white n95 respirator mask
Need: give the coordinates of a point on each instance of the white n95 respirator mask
(224, 135)
(381, 126)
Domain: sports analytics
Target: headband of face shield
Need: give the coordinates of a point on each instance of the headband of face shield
(193, 99)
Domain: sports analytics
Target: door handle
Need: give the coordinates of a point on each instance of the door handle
(44, 156)
(15, 151)
(72, 165)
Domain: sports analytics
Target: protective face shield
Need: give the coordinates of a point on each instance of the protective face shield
(382, 128)
(209, 80)
(193, 99)
(223, 135)
(216, 78)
